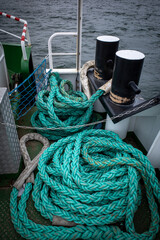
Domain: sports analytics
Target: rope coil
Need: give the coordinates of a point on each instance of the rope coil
(93, 179)
(63, 108)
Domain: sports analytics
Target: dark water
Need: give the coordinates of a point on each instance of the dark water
(135, 22)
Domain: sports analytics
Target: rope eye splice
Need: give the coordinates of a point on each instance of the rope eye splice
(93, 179)
(61, 108)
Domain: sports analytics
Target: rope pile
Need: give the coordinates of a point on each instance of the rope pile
(93, 179)
(61, 108)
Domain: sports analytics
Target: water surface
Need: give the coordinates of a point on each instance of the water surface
(136, 23)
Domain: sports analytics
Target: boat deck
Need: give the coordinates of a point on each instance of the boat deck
(142, 216)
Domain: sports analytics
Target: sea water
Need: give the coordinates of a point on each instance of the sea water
(136, 23)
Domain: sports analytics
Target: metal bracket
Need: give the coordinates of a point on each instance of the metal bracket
(117, 112)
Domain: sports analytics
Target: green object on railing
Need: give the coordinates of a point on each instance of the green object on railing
(91, 178)
(15, 62)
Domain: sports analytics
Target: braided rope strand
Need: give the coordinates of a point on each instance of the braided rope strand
(63, 108)
(93, 179)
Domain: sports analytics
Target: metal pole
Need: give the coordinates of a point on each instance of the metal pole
(79, 34)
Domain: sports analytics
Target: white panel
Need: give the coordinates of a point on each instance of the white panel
(146, 129)
(71, 77)
(154, 152)
(120, 128)
(4, 82)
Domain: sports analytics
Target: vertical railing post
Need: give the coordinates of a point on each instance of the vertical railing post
(79, 34)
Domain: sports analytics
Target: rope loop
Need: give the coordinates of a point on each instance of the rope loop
(63, 107)
(91, 178)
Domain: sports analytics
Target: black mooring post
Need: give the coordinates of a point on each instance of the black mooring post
(127, 71)
(106, 47)
(123, 101)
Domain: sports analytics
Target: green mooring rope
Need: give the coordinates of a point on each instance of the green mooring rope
(93, 179)
(60, 108)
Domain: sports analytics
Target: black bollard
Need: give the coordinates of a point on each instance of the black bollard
(126, 75)
(106, 47)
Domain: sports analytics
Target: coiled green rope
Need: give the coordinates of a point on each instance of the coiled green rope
(93, 179)
(60, 108)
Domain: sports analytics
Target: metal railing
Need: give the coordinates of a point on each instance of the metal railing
(77, 34)
(50, 46)
(25, 32)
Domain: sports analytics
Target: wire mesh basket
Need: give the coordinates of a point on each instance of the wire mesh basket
(24, 95)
